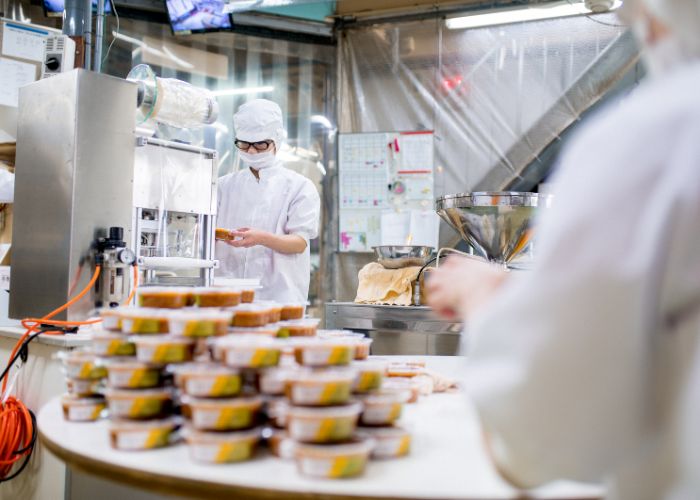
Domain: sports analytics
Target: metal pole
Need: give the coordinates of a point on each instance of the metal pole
(75, 17)
(87, 33)
(99, 35)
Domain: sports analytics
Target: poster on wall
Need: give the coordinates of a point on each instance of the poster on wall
(386, 186)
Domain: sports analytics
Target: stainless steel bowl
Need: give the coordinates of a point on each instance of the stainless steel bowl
(396, 257)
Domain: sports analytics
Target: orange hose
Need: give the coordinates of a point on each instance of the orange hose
(16, 425)
(134, 286)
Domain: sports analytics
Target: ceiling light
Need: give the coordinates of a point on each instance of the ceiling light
(243, 91)
(535, 12)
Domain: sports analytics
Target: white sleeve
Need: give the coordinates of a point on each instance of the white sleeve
(304, 212)
(560, 361)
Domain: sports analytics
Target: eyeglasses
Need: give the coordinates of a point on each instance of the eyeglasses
(259, 145)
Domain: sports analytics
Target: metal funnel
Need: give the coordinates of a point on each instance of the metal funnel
(497, 224)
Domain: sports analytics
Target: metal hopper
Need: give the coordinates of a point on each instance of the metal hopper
(497, 224)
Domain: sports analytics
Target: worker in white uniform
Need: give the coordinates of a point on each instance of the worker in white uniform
(273, 211)
(587, 367)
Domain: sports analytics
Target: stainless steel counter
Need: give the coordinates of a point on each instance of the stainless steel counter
(397, 329)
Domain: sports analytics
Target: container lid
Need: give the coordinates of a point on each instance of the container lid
(357, 446)
(370, 365)
(203, 314)
(164, 289)
(160, 339)
(383, 432)
(340, 334)
(326, 375)
(348, 410)
(202, 368)
(75, 399)
(270, 330)
(316, 342)
(128, 363)
(248, 339)
(136, 393)
(255, 401)
(255, 307)
(301, 322)
(387, 396)
(193, 436)
(115, 311)
(137, 425)
(146, 312)
(215, 290)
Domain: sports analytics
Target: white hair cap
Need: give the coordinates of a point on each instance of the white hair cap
(682, 18)
(259, 120)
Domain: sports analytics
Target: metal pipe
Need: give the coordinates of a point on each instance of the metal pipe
(99, 35)
(87, 33)
(76, 22)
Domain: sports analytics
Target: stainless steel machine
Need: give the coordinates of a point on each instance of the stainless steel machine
(498, 225)
(81, 170)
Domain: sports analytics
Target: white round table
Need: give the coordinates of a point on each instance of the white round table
(447, 461)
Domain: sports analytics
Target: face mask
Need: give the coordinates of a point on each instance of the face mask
(258, 161)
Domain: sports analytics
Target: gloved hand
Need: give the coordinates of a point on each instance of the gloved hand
(461, 285)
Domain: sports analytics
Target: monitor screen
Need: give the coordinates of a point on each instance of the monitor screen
(188, 16)
(54, 8)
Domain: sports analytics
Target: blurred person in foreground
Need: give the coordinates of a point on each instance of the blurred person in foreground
(588, 366)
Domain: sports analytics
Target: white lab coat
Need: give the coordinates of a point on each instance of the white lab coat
(581, 368)
(282, 202)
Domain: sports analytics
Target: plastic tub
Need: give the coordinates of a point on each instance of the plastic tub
(82, 365)
(273, 381)
(299, 328)
(249, 315)
(82, 388)
(406, 384)
(333, 461)
(82, 409)
(276, 409)
(312, 388)
(323, 425)
(370, 375)
(216, 297)
(208, 380)
(362, 348)
(163, 349)
(164, 297)
(112, 317)
(141, 403)
(133, 375)
(383, 407)
(323, 352)
(222, 447)
(274, 310)
(142, 321)
(292, 311)
(224, 234)
(247, 295)
(112, 344)
(391, 442)
(267, 330)
(221, 414)
(199, 323)
(362, 343)
(134, 435)
(250, 351)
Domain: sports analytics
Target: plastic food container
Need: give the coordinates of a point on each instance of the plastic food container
(370, 375)
(82, 365)
(268, 330)
(82, 409)
(143, 403)
(362, 343)
(292, 311)
(249, 315)
(208, 380)
(222, 447)
(164, 297)
(323, 352)
(141, 321)
(404, 370)
(405, 384)
(216, 297)
(82, 388)
(299, 328)
(276, 409)
(163, 349)
(322, 425)
(247, 295)
(112, 344)
(383, 407)
(221, 414)
(199, 323)
(274, 310)
(333, 461)
(224, 234)
(273, 381)
(134, 435)
(133, 375)
(250, 351)
(279, 443)
(313, 388)
(112, 317)
(362, 348)
(390, 442)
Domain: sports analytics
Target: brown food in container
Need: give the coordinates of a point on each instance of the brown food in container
(221, 414)
(216, 297)
(138, 404)
(132, 374)
(333, 461)
(222, 447)
(292, 311)
(249, 316)
(163, 297)
(82, 409)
